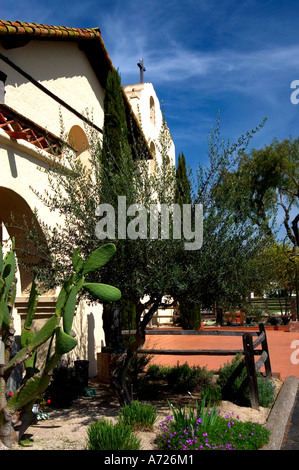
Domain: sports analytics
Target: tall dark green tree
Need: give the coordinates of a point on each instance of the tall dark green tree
(115, 131)
(183, 185)
(116, 169)
(190, 310)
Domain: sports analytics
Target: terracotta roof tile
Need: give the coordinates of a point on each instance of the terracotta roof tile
(41, 30)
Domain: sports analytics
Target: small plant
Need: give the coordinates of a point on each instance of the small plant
(138, 415)
(26, 442)
(153, 372)
(274, 321)
(183, 378)
(105, 435)
(223, 433)
(212, 393)
(182, 417)
(266, 391)
(190, 417)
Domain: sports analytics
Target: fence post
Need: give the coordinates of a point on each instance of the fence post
(268, 370)
(251, 373)
(219, 316)
(293, 309)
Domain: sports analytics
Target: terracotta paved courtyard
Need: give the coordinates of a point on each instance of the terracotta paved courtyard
(283, 356)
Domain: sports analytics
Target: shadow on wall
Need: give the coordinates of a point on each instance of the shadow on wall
(12, 163)
(85, 327)
(91, 349)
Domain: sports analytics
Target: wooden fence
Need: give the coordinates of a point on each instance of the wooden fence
(283, 305)
(249, 351)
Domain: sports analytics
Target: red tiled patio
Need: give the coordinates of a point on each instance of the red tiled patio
(283, 348)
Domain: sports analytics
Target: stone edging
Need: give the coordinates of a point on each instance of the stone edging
(280, 413)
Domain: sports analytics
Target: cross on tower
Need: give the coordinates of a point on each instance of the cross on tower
(142, 69)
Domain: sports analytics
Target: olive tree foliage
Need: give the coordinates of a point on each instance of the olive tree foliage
(143, 267)
(147, 269)
(230, 265)
(265, 191)
(266, 181)
(283, 264)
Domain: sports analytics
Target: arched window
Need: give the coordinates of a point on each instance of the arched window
(152, 164)
(152, 111)
(78, 140)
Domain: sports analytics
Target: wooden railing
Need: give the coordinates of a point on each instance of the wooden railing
(249, 351)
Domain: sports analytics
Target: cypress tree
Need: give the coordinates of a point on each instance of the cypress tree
(116, 168)
(190, 312)
(115, 131)
(183, 186)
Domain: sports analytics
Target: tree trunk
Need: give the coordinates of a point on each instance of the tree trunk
(8, 436)
(112, 327)
(119, 374)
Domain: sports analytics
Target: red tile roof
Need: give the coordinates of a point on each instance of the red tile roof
(48, 31)
(90, 39)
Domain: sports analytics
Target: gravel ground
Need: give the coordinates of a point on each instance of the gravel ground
(66, 429)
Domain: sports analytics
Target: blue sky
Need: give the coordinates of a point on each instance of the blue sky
(238, 57)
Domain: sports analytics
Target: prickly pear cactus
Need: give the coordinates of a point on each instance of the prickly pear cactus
(57, 331)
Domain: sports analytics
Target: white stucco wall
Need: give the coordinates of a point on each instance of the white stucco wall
(64, 70)
(19, 170)
(140, 96)
(19, 162)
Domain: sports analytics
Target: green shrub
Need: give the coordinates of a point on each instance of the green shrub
(190, 315)
(155, 372)
(64, 387)
(266, 391)
(230, 379)
(137, 367)
(104, 435)
(138, 415)
(146, 390)
(185, 378)
(233, 382)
